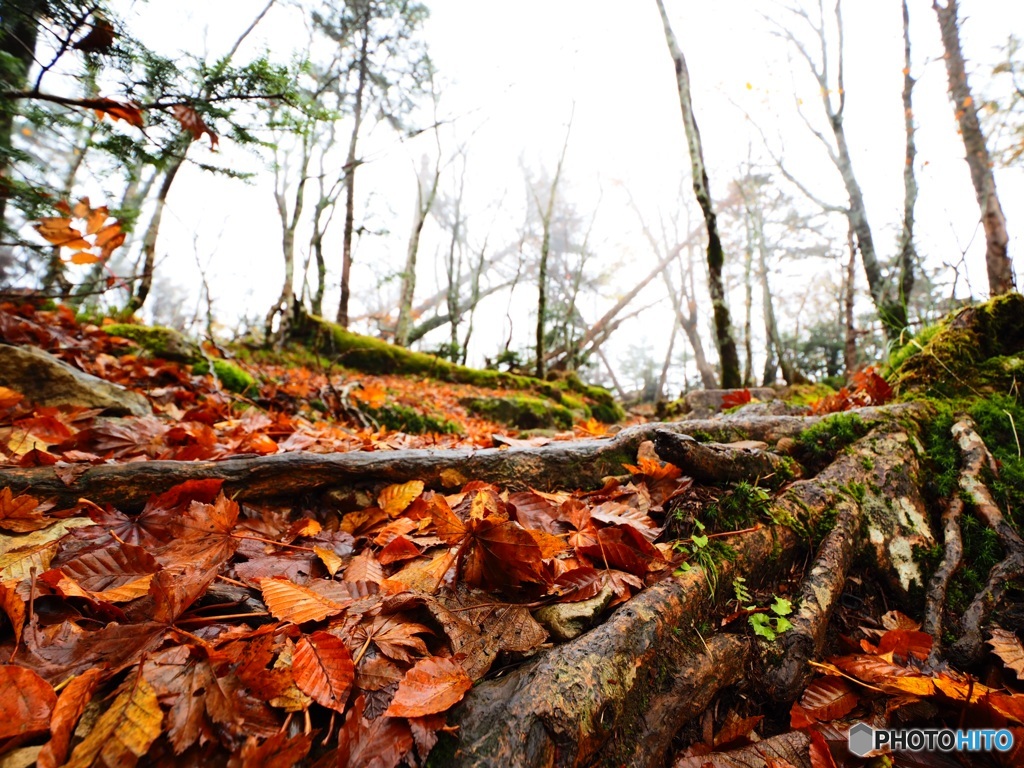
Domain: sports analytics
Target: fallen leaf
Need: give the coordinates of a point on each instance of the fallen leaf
(124, 731)
(432, 685)
(323, 669)
(26, 708)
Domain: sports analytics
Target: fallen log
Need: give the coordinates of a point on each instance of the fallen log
(288, 475)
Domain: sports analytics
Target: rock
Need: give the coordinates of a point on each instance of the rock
(48, 381)
(702, 403)
(565, 621)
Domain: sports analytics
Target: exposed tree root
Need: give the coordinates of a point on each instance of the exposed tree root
(634, 680)
(565, 707)
(939, 584)
(714, 462)
(975, 459)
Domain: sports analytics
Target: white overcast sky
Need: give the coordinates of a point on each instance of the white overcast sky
(511, 73)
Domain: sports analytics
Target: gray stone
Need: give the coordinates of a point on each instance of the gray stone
(46, 380)
(565, 621)
(702, 403)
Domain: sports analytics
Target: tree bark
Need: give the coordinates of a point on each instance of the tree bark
(729, 361)
(19, 29)
(138, 299)
(423, 205)
(350, 174)
(997, 258)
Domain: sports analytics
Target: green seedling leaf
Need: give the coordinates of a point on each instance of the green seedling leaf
(782, 607)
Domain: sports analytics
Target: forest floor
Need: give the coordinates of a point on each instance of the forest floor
(292, 562)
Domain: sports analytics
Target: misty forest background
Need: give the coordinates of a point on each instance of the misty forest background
(372, 214)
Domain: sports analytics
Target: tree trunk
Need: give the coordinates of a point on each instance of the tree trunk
(423, 205)
(19, 29)
(728, 357)
(849, 294)
(545, 248)
(997, 259)
(350, 176)
(138, 299)
(908, 253)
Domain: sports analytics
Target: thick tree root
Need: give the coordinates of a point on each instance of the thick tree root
(975, 459)
(714, 462)
(648, 657)
(819, 594)
(939, 584)
(581, 463)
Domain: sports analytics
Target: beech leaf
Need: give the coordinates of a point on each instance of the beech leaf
(323, 669)
(432, 685)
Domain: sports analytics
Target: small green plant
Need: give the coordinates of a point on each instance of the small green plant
(742, 505)
(739, 588)
(697, 549)
(773, 623)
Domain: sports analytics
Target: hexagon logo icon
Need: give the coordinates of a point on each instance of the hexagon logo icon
(861, 739)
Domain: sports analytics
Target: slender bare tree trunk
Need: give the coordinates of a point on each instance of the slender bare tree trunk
(789, 372)
(908, 253)
(424, 202)
(545, 252)
(138, 299)
(689, 322)
(748, 344)
(350, 176)
(728, 357)
(889, 301)
(997, 259)
(849, 293)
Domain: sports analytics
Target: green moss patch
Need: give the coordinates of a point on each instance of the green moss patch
(158, 341)
(520, 412)
(370, 355)
(402, 418)
(818, 445)
(230, 376)
(976, 351)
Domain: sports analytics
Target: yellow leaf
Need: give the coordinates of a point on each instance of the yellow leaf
(750, 87)
(330, 559)
(83, 257)
(287, 601)
(124, 732)
(967, 102)
(395, 498)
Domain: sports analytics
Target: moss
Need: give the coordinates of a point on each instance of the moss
(702, 437)
(740, 506)
(370, 355)
(520, 412)
(949, 359)
(230, 376)
(401, 418)
(158, 341)
(823, 525)
(806, 394)
(817, 445)
(855, 491)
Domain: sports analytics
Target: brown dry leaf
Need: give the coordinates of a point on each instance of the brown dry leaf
(26, 708)
(323, 669)
(114, 574)
(394, 636)
(1007, 646)
(432, 685)
(13, 607)
(20, 554)
(827, 698)
(193, 122)
(20, 514)
(125, 731)
(287, 601)
(58, 231)
(70, 706)
(396, 498)
(382, 743)
(898, 620)
(184, 679)
(278, 751)
(364, 567)
(116, 110)
(425, 576)
(1008, 705)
